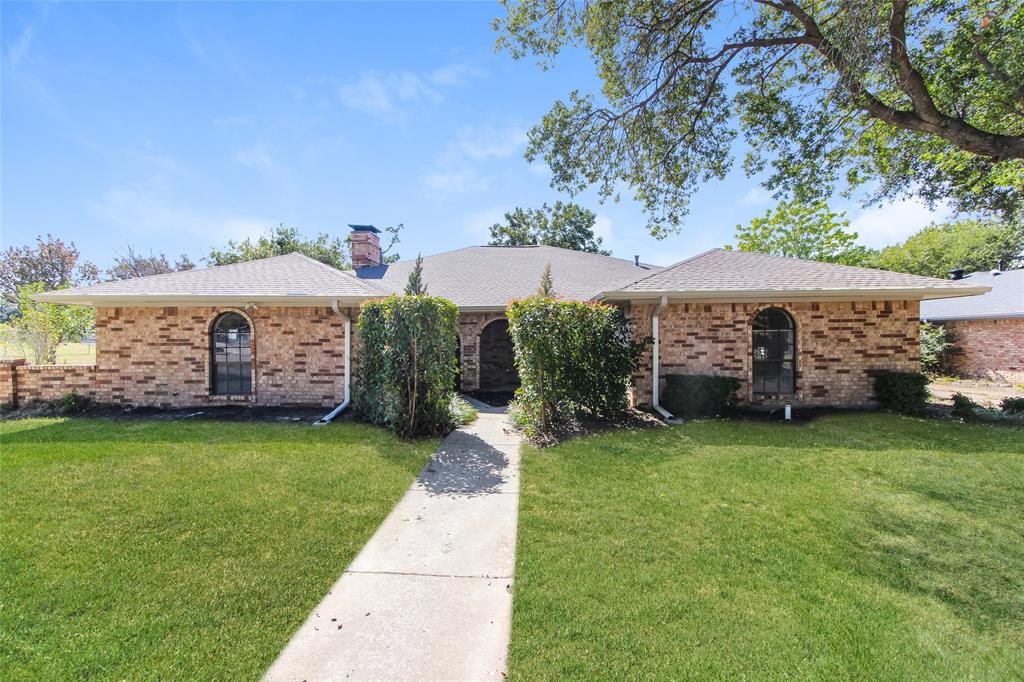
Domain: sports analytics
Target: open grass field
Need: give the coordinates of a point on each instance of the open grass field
(145, 549)
(67, 353)
(852, 547)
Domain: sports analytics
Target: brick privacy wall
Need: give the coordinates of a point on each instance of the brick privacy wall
(470, 327)
(840, 347)
(990, 349)
(161, 357)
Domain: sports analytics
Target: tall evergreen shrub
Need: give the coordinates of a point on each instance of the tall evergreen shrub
(406, 366)
(574, 360)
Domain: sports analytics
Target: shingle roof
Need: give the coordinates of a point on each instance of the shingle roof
(722, 272)
(491, 276)
(293, 276)
(1006, 300)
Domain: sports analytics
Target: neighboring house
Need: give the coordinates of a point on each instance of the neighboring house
(278, 331)
(987, 330)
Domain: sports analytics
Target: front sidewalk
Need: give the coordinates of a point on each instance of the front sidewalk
(430, 596)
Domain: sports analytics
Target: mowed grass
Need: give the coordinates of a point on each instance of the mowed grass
(67, 353)
(143, 550)
(851, 547)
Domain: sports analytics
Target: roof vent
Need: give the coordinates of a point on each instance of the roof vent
(958, 273)
(636, 260)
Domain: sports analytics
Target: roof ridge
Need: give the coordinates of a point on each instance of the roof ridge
(335, 271)
(185, 272)
(669, 268)
(839, 265)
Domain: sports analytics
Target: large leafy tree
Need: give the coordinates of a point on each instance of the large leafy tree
(281, 240)
(969, 244)
(132, 264)
(891, 97)
(799, 230)
(52, 262)
(566, 225)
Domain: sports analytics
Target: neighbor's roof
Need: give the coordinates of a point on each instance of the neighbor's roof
(491, 276)
(739, 275)
(1005, 301)
(293, 278)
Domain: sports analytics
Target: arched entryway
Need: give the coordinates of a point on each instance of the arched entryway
(497, 358)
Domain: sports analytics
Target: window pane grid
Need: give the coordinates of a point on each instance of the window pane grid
(231, 356)
(774, 352)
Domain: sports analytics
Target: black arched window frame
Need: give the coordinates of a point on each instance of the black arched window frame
(774, 352)
(231, 355)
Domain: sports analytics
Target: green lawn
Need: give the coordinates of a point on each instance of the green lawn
(67, 353)
(852, 547)
(149, 549)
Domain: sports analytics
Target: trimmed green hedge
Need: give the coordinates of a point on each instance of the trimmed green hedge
(574, 360)
(902, 391)
(406, 366)
(694, 395)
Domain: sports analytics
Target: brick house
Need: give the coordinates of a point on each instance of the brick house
(987, 330)
(279, 331)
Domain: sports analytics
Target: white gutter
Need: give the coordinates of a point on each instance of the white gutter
(346, 397)
(655, 360)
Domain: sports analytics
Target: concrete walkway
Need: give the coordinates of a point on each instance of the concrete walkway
(430, 596)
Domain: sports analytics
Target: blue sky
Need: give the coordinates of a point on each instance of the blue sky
(174, 127)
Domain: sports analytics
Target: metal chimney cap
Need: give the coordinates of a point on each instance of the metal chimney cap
(364, 228)
(957, 273)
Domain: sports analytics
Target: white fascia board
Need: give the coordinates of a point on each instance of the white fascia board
(781, 296)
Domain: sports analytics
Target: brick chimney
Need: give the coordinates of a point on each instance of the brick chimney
(365, 246)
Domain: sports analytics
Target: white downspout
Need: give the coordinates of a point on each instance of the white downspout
(346, 399)
(656, 360)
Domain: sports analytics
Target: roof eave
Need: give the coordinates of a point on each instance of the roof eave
(148, 300)
(779, 295)
(973, 316)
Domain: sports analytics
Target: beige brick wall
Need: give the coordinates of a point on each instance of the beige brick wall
(470, 327)
(161, 356)
(989, 349)
(840, 347)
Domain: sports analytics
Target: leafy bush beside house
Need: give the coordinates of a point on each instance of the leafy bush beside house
(698, 395)
(905, 392)
(936, 348)
(405, 376)
(574, 361)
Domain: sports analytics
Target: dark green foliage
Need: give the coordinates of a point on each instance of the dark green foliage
(973, 245)
(1012, 405)
(574, 361)
(565, 225)
(964, 407)
(72, 403)
(1012, 411)
(885, 99)
(694, 395)
(936, 345)
(902, 391)
(406, 371)
(415, 286)
(803, 230)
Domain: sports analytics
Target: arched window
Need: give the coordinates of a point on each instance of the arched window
(230, 355)
(774, 352)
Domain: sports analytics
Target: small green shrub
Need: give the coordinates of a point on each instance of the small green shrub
(1012, 405)
(902, 391)
(693, 395)
(936, 347)
(405, 375)
(72, 403)
(964, 407)
(574, 361)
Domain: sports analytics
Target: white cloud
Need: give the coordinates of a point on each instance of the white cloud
(757, 196)
(456, 169)
(477, 225)
(603, 229)
(255, 157)
(141, 211)
(19, 49)
(884, 225)
(391, 94)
